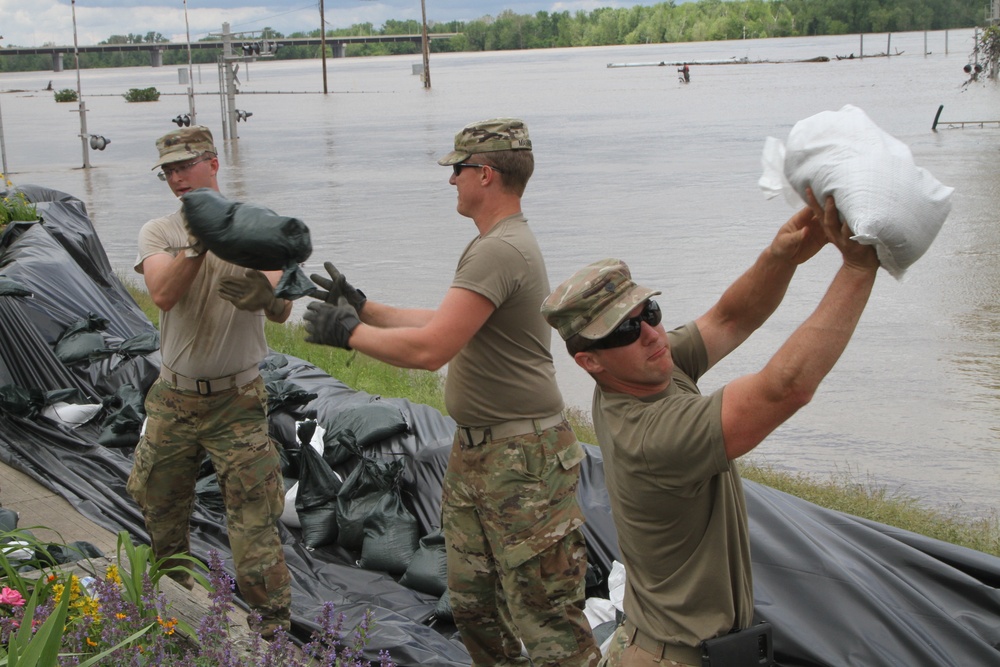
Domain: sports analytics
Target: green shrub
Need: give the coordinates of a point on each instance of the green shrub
(66, 95)
(142, 95)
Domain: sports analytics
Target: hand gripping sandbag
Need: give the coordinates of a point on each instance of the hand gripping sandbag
(886, 199)
(251, 236)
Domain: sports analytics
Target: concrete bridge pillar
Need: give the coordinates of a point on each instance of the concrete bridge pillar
(57, 64)
(156, 57)
(339, 50)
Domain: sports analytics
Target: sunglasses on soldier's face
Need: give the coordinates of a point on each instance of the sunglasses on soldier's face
(629, 331)
(458, 167)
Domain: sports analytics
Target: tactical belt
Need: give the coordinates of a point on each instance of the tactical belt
(688, 655)
(206, 386)
(469, 436)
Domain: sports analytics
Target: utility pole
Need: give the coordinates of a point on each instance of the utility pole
(426, 46)
(322, 41)
(79, 95)
(187, 26)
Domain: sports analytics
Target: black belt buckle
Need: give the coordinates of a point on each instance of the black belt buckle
(204, 387)
(742, 648)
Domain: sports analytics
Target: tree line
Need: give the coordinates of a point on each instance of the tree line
(705, 20)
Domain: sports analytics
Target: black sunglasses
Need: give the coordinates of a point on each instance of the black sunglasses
(458, 167)
(629, 331)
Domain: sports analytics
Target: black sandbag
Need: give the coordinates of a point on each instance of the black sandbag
(316, 498)
(251, 236)
(428, 569)
(341, 448)
(209, 493)
(369, 423)
(391, 531)
(8, 521)
(442, 610)
(282, 394)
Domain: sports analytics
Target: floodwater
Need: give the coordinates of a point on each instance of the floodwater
(630, 163)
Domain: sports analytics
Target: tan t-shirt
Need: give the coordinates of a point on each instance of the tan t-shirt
(677, 504)
(505, 372)
(203, 336)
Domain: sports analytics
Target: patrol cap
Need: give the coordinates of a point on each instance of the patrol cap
(594, 300)
(186, 143)
(496, 134)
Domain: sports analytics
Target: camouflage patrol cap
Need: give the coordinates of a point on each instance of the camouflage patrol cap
(496, 134)
(595, 300)
(186, 143)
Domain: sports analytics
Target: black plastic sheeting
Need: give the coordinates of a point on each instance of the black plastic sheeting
(839, 590)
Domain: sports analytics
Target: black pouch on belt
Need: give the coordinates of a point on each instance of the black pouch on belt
(742, 648)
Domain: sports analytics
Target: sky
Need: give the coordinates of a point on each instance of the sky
(40, 22)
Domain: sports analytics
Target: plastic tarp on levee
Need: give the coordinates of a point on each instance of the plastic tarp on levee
(838, 590)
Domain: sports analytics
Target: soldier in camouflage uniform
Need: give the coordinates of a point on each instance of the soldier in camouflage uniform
(210, 397)
(516, 555)
(669, 452)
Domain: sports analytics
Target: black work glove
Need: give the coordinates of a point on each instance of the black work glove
(335, 287)
(329, 324)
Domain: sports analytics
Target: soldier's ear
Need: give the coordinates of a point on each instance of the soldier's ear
(588, 361)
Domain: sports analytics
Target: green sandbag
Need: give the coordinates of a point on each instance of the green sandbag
(82, 340)
(361, 494)
(428, 569)
(125, 413)
(391, 536)
(251, 236)
(368, 424)
(10, 287)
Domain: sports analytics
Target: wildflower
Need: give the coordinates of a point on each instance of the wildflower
(11, 597)
(113, 575)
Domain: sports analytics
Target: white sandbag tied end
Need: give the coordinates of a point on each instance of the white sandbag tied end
(886, 199)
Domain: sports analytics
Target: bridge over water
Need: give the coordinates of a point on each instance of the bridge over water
(338, 44)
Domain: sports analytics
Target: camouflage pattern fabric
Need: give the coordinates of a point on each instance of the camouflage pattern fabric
(231, 426)
(594, 300)
(622, 654)
(486, 136)
(186, 143)
(516, 555)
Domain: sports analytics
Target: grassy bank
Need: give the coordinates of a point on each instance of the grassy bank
(863, 497)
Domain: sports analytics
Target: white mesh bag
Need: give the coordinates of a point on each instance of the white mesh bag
(887, 200)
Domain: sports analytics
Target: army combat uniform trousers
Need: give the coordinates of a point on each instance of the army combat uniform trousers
(231, 426)
(516, 556)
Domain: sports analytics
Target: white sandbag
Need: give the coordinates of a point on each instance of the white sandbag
(290, 515)
(886, 199)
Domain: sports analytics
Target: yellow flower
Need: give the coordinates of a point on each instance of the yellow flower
(91, 642)
(112, 574)
(168, 626)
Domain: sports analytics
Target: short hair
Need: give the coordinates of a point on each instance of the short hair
(577, 343)
(516, 168)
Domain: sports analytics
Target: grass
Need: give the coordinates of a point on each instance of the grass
(843, 492)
